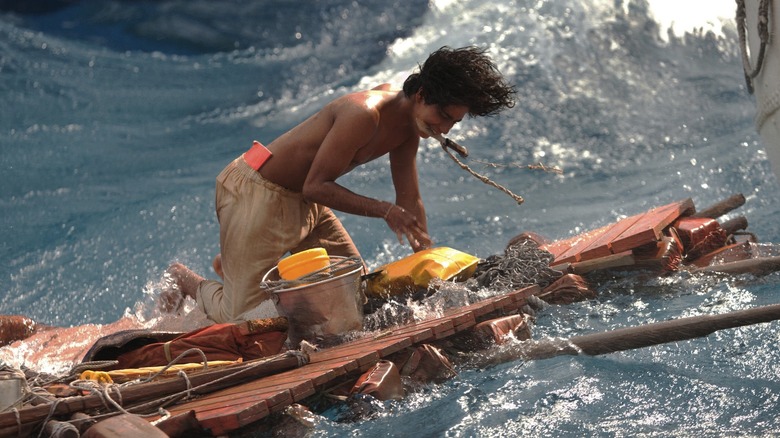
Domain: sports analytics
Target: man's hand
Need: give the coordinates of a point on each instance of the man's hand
(406, 224)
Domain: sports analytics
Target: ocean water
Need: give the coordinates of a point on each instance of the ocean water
(117, 116)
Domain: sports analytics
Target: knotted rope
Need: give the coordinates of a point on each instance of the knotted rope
(448, 144)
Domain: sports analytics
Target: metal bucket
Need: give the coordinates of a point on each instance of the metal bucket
(320, 310)
(12, 383)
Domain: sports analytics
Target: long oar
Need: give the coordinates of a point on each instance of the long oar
(639, 336)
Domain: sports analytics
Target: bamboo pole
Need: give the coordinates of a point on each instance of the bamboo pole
(731, 226)
(722, 207)
(757, 266)
(640, 336)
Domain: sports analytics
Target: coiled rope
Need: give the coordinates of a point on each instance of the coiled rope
(763, 34)
(522, 264)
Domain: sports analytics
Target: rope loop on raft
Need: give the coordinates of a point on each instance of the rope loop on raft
(763, 34)
(346, 263)
(101, 389)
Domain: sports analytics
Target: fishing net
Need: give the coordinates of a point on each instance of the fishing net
(522, 264)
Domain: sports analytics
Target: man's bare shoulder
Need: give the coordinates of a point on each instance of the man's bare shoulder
(384, 87)
(367, 103)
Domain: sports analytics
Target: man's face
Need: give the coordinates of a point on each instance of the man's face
(438, 119)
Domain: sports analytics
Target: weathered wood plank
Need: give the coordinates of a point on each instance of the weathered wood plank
(602, 246)
(648, 228)
(620, 236)
(625, 258)
(579, 243)
(270, 396)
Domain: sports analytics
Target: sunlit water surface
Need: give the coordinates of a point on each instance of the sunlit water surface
(117, 116)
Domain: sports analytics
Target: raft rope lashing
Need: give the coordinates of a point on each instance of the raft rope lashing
(301, 357)
(763, 34)
(18, 421)
(48, 417)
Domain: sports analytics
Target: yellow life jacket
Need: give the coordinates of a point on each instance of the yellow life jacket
(417, 270)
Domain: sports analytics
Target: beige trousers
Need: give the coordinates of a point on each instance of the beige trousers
(259, 222)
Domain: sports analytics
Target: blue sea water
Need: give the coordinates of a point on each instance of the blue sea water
(117, 116)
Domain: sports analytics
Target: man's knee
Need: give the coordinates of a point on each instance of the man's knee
(217, 265)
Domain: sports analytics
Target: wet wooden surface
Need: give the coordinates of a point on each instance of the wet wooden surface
(229, 409)
(624, 235)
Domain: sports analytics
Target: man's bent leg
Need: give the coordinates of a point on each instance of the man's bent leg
(258, 222)
(330, 234)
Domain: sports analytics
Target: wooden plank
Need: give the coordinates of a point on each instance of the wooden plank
(222, 423)
(579, 243)
(455, 313)
(273, 393)
(559, 246)
(270, 396)
(625, 258)
(338, 354)
(416, 331)
(222, 419)
(404, 331)
(338, 366)
(384, 339)
(423, 336)
(505, 303)
(602, 246)
(299, 388)
(620, 236)
(521, 295)
(276, 379)
(464, 321)
(482, 308)
(444, 327)
(648, 229)
(316, 375)
(388, 349)
(382, 346)
(416, 336)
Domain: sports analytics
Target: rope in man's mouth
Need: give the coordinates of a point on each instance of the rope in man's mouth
(448, 144)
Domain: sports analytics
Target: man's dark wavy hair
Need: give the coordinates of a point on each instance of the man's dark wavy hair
(464, 76)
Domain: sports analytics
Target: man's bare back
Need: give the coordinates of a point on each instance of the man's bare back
(349, 131)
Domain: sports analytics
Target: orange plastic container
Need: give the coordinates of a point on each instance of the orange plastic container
(302, 263)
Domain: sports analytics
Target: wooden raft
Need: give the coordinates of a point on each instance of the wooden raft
(229, 409)
(615, 242)
(232, 408)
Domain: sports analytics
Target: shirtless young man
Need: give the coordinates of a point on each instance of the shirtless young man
(286, 204)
